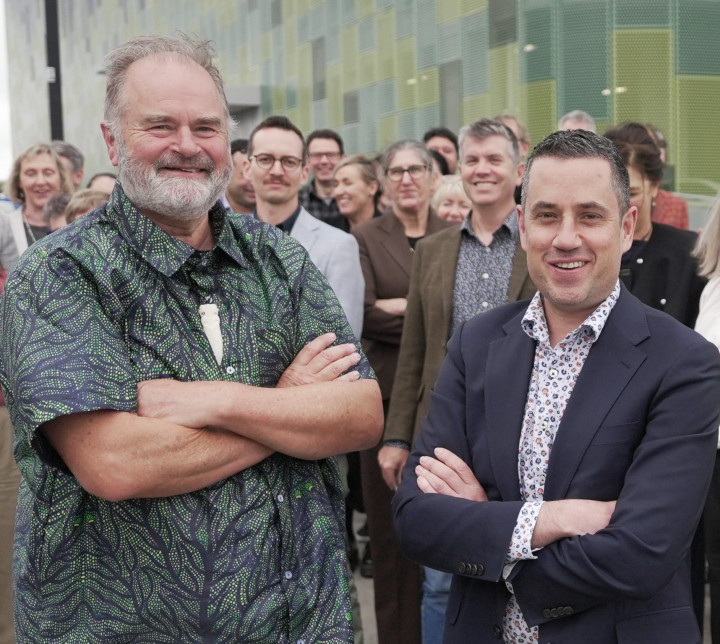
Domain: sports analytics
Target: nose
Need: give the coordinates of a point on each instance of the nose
(185, 143)
(567, 237)
(406, 178)
(276, 167)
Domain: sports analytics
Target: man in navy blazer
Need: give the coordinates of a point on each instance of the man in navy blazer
(569, 444)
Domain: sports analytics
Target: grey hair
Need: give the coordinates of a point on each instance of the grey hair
(484, 128)
(582, 144)
(707, 248)
(118, 61)
(581, 116)
(70, 152)
(407, 144)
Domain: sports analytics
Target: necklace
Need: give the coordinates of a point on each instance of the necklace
(28, 229)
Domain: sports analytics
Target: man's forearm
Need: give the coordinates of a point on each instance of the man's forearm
(310, 421)
(118, 455)
(570, 518)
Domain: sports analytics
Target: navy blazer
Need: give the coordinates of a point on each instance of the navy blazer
(640, 427)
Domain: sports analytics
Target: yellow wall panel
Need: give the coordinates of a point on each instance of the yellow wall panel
(334, 94)
(290, 45)
(278, 98)
(302, 6)
(349, 39)
(305, 95)
(448, 10)
(289, 11)
(428, 86)
(387, 130)
(471, 6)
(503, 72)
(364, 8)
(367, 72)
(406, 73)
(541, 109)
(385, 30)
(475, 107)
(265, 46)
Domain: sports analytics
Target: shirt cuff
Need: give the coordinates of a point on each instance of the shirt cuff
(520, 547)
(397, 443)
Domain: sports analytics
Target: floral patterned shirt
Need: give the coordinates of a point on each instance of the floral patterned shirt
(88, 313)
(555, 372)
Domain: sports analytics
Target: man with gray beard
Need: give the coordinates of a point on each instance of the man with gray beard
(176, 376)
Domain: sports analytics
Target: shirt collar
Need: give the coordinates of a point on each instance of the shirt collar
(535, 325)
(510, 225)
(162, 251)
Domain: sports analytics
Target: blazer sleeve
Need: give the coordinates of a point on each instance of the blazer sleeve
(377, 324)
(444, 532)
(345, 276)
(402, 414)
(660, 503)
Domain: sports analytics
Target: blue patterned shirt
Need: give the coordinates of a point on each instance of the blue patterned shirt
(88, 313)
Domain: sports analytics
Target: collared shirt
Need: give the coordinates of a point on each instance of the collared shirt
(555, 372)
(483, 272)
(323, 209)
(92, 311)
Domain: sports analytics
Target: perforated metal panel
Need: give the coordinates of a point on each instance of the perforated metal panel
(475, 42)
(366, 34)
(426, 33)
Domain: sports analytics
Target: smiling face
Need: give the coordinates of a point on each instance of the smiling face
(574, 235)
(39, 180)
(488, 172)
(453, 208)
(172, 152)
(323, 156)
(352, 195)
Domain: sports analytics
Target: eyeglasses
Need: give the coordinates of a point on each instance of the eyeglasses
(415, 172)
(332, 156)
(267, 161)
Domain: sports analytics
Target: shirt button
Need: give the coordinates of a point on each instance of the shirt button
(485, 276)
(553, 373)
(663, 301)
(543, 425)
(639, 260)
(288, 574)
(280, 498)
(301, 642)
(204, 261)
(230, 370)
(485, 305)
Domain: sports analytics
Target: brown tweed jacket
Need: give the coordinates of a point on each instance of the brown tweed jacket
(427, 327)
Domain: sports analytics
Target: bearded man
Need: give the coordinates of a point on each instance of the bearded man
(176, 376)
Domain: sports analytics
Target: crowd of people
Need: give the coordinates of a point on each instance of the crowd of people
(215, 358)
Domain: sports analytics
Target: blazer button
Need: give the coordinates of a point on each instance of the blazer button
(497, 632)
(546, 613)
(568, 610)
(480, 569)
(473, 569)
(554, 612)
(461, 568)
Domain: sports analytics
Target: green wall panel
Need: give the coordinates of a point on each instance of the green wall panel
(698, 36)
(643, 13)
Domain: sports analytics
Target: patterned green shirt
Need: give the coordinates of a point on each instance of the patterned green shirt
(87, 314)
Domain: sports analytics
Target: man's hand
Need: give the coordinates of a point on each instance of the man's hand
(172, 400)
(570, 518)
(450, 475)
(391, 461)
(317, 361)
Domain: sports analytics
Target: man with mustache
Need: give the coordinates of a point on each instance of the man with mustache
(174, 377)
(277, 167)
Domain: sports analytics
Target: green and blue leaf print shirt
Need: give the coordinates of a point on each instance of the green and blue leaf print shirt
(87, 314)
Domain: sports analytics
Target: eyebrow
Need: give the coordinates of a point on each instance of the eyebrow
(164, 118)
(586, 205)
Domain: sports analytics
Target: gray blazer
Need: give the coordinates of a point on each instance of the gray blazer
(336, 255)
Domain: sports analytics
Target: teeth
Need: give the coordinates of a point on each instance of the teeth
(570, 264)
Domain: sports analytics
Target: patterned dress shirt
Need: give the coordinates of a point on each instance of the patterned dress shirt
(482, 276)
(555, 372)
(113, 300)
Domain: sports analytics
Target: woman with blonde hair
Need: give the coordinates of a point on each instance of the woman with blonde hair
(356, 190)
(37, 174)
(450, 202)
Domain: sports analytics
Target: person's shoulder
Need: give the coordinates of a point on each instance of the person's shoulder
(492, 323)
(676, 238)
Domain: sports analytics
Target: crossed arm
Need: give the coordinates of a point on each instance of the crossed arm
(187, 436)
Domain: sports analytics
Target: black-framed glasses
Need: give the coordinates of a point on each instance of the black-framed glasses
(267, 161)
(415, 172)
(332, 156)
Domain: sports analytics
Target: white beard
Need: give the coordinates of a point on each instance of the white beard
(172, 197)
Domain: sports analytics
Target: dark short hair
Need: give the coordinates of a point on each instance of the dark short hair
(638, 149)
(441, 161)
(582, 144)
(441, 132)
(326, 134)
(55, 206)
(281, 123)
(239, 145)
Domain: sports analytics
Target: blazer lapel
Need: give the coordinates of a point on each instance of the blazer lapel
(395, 243)
(304, 229)
(507, 379)
(446, 263)
(611, 363)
